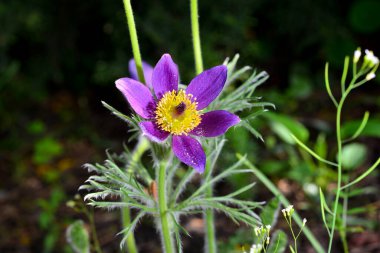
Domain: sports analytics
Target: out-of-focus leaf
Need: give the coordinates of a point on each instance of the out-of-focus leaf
(46, 149)
(371, 129)
(284, 126)
(77, 237)
(321, 146)
(269, 214)
(278, 242)
(353, 155)
(364, 16)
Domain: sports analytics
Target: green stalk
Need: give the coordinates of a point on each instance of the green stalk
(139, 150)
(131, 242)
(209, 214)
(164, 215)
(210, 237)
(339, 144)
(309, 235)
(126, 215)
(196, 37)
(134, 40)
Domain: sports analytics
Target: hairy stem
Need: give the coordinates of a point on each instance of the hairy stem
(196, 37)
(210, 237)
(164, 215)
(139, 150)
(131, 242)
(134, 40)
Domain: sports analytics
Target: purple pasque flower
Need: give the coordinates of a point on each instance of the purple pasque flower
(175, 112)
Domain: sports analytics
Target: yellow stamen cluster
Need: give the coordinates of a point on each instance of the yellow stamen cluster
(176, 113)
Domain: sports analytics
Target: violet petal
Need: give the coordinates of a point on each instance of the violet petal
(189, 151)
(138, 96)
(153, 133)
(215, 123)
(148, 70)
(165, 76)
(207, 85)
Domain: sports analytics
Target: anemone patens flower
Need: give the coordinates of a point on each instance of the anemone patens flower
(177, 112)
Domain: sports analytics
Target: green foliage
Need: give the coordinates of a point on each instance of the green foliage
(48, 218)
(269, 214)
(353, 155)
(78, 238)
(284, 126)
(371, 128)
(46, 149)
(278, 243)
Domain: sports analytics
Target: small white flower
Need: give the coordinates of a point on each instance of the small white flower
(369, 56)
(268, 239)
(357, 55)
(370, 76)
(304, 221)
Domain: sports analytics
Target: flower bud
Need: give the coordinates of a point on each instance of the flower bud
(357, 55)
(370, 76)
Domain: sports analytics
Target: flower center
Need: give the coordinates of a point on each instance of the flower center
(176, 113)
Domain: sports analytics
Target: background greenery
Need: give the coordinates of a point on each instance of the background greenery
(59, 59)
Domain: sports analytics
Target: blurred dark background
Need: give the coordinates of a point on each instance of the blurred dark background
(59, 59)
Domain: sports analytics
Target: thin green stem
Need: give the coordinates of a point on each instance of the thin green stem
(164, 215)
(339, 145)
(196, 36)
(291, 230)
(210, 237)
(131, 242)
(134, 40)
(309, 235)
(141, 146)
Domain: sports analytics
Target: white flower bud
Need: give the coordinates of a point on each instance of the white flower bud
(357, 55)
(370, 76)
(304, 221)
(371, 58)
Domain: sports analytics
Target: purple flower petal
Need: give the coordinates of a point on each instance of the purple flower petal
(148, 70)
(215, 123)
(138, 96)
(153, 132)
(207, 85)
(165, 76)
(189, 151)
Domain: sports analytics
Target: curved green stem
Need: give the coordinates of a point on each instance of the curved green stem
(164, 215)
(196, 37)
(134, 40)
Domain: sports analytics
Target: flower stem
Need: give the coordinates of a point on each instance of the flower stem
(164, 215)
(131, 242)
(210, 237)
(196, 36)
(141, 146)
(339, 144)
(134, 40)
(210, 228)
